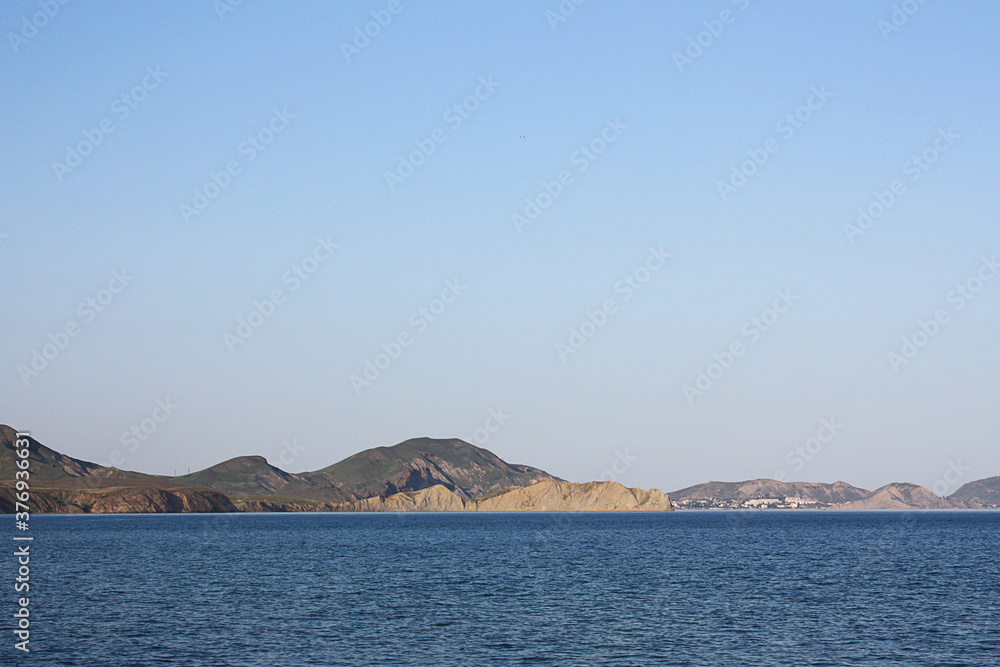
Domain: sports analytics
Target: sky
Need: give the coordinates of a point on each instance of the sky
(659, 243)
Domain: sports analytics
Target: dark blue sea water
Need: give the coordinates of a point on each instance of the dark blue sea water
(684, 588)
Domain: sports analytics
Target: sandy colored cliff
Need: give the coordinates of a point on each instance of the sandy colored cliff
(545, 496)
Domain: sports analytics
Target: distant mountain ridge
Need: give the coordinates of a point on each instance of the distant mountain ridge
(902, 496)
(723, 492)
(420, 473)
(764, 493)
(63, 483)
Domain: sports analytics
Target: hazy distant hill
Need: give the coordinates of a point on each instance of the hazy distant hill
(737, 492)
(983, 493)
(902, 496)
(839, 495)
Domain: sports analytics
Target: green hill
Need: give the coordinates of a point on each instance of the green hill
(49, 466)
(420, 463)
(980, 494)
(412, 465)
(246, 476)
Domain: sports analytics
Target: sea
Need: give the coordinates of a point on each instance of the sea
(698, 588)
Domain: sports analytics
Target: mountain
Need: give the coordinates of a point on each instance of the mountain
(736, 494)
(902, 496)
(546, 496)
(61, 483)
(421, 474)
(253, 476)
(421, 463)
(416, 464)
(981, 494)
(49, 466)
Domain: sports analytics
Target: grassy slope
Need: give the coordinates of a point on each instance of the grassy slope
(467, 467)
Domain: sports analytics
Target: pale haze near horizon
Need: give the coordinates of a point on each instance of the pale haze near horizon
(671, 122)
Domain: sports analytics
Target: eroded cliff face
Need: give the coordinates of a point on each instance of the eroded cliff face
(558, 496)
(130, 500)
(546, 496)
(434, 499)
(120, 500)
(41, 502)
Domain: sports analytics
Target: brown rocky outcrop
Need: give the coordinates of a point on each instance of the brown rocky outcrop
(545, 496)
(119, 500)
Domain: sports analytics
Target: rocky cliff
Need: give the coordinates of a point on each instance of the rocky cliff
(120, 500)
(545, 496)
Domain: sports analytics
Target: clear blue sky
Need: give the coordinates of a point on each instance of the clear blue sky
(310, 129)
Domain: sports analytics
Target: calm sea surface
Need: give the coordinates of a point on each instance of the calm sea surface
(683, 588)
